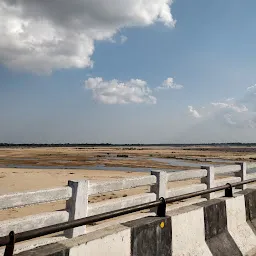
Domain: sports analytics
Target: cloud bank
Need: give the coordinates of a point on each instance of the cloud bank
(41, 36)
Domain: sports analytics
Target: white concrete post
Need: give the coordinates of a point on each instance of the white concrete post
(242, 175)
(77, 205)
(209, 180)
(160, 188)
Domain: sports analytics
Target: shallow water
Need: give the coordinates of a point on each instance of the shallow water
(251, 170)
(176, 162)
(218, 160)
(96, 167)
(171, 161)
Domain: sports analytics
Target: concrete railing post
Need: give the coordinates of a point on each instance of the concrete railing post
(242, 175)
(160, 188)
(77, 205)
(209, 180)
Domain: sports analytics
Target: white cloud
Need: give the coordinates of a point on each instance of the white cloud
(239, 113)
(253, 87)
(194, 112)
(40, 36)
(229, 99)
(116, 92)
(123, 39)
(232, 106)
(169, 84)
(228, 118)
(249, 99)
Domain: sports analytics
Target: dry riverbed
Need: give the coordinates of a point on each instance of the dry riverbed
(22, 179)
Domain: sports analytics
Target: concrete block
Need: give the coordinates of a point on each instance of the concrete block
(237, 225)
(56, 249)
(250, 207)
(110, 241)
(31, 244)
(215, 218)
(116, 244)
(150, 236)
(217, 237)
(223, 245)
(188, 235)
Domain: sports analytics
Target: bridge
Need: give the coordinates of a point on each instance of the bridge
(216, 218)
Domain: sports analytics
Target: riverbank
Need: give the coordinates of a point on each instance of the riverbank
(50, 167)
(133, 157)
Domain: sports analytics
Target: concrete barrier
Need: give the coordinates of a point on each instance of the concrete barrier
(113, 240)
(227, 231)
(250, 207)
(76, 194)
(151, 236)
(217, 236)
(237, 225)
(224, 226)
(188, 231)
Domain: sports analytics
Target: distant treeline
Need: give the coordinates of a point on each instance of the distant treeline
(122, 145)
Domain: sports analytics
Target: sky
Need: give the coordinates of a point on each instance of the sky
(127, 71)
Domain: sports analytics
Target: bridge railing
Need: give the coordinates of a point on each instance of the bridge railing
(77, 193)
(9, 240)
(23, 199)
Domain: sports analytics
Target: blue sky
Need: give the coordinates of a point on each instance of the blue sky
(50, 92)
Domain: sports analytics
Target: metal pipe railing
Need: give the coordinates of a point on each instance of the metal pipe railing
(9, 240)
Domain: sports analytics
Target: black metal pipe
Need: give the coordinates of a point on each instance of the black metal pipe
(243, 182)
(194, 194)
(26, 235)
(207, 191)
